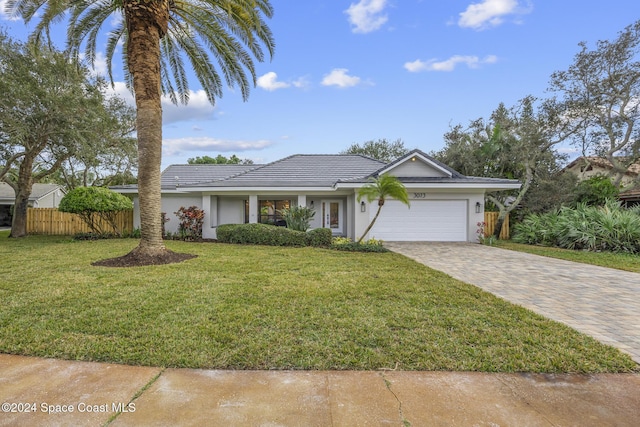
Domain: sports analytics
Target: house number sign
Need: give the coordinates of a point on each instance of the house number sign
(419, 195)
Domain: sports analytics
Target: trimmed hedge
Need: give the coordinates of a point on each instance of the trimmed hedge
(264, 234)
(359, 247)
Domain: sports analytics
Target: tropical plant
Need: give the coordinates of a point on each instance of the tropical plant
(191, 220)
(158, 35)
(610, 227)
(382, 188)
(96, 206)
(298, 217)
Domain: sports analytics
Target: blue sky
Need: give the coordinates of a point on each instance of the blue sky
(355, 70)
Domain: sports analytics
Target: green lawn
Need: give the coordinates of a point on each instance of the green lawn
(256, 307)
(627, 262)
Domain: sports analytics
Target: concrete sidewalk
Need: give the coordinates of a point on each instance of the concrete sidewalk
(66, 393)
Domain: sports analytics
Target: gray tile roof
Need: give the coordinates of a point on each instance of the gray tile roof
(39, 190)
(304, 170)
(182, 175)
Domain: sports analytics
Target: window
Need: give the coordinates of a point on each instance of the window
(270, 210)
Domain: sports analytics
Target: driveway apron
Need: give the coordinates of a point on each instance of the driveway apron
(601, 302)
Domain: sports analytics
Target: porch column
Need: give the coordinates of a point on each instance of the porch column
(210, 207)
(253, 209)
(302, 200)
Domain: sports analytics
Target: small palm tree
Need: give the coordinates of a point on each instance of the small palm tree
(158, 35)
(381, 188)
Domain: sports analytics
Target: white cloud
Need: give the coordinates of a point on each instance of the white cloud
(176, 146)
(449, 64)
(490, 13)
(270, 82)
(198, 107)
(366, 15)
(339, 77)
(301, 83)
(100, 64)
(120, 89)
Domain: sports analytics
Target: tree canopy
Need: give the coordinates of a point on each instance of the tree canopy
(601, 93)
(157, 38)
(515, 143)
(219, 160)
(51, 110)
(379, 149)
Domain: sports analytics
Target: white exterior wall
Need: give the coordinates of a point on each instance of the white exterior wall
(171, 203)
(51, 200)
(362, 219)
(417, 168)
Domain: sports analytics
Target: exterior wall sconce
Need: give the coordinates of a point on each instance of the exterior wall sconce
(311, 205)
(363, 207)
(478, 207)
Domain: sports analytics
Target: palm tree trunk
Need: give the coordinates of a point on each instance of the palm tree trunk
(147, 23)
(373, 221)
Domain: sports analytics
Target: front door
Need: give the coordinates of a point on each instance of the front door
(332, 215)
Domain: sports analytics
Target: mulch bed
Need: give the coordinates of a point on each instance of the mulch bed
(133, 259)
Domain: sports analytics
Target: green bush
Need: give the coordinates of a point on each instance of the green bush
(265, 234)
(346, 244)
(96, 206)
(595, 191)
(359, 247)
(319, 237)
(595, 228)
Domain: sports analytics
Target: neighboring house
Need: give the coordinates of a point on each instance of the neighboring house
(587, 167)
(42, 196)
(445, 205)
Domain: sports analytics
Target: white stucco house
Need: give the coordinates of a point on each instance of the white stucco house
(445, 205)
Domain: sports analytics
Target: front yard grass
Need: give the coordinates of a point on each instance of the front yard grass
(258, 307)
(620, 261)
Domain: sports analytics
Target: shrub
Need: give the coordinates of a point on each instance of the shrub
(266, 234)
(594, 228)
(595, 191)
(96, 206)
(319, 237)
(191, 219)
(298, 217)
(346, 244)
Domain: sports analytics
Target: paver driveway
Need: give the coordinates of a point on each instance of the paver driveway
(598, 301)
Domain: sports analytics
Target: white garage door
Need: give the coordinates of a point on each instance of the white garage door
(427, 220)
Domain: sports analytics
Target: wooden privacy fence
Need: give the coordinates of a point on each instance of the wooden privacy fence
(52, 221)
(490, 220)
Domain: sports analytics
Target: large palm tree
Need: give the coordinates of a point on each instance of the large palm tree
(158, 35)
(382, 188)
